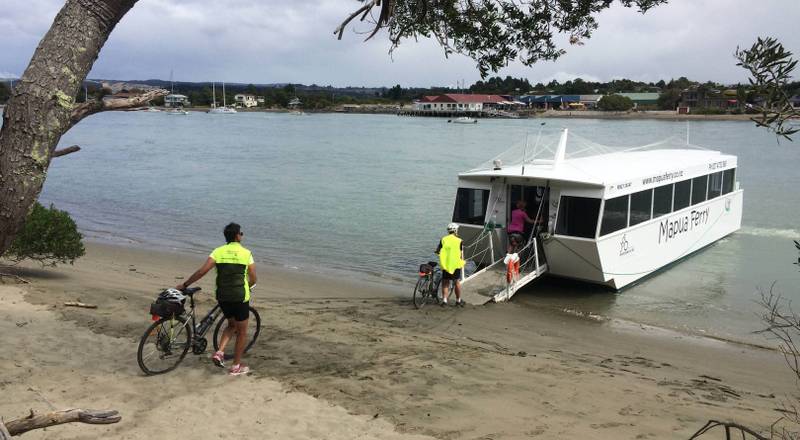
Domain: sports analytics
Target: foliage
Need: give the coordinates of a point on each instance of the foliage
(771, 67)
(669, 99)
(615, 103)
(492, 32)
(49, 237)
(5, 93)
(395, 93)
(501, 86)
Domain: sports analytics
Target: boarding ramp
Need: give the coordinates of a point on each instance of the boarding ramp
(494, 283)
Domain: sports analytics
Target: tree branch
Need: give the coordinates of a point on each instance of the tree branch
(89, 108)
(33, 421)
(65, 151)
(364, 9)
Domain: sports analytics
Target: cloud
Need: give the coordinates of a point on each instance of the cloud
(292, 41)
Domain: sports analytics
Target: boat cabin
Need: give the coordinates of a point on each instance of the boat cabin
(600, 215)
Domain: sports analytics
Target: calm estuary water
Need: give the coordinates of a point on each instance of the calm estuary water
(371, 194)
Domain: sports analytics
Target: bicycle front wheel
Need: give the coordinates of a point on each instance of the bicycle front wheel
(422, 291)
(164, 345)
(253, 330)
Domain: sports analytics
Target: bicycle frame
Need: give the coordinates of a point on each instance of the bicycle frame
(210, 318)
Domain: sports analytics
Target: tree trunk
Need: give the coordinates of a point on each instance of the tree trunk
(41, 104)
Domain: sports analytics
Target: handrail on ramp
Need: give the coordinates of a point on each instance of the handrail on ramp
(497, 282)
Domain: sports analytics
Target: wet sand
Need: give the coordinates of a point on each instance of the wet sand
(345, 359)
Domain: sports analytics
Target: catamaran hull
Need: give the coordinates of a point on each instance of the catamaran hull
(622, 258)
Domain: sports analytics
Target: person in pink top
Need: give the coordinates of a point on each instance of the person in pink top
(516, 229)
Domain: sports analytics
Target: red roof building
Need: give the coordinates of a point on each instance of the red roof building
(454, 102)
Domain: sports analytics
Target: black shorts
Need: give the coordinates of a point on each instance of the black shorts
(451, 276)
(239, 311)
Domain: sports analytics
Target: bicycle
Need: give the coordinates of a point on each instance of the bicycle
(169, 338)
(427, 287)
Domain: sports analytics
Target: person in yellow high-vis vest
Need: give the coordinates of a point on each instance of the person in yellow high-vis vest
(236, 274)
(451, 259)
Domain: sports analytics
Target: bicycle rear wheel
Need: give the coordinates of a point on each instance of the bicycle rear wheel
(422, 292)
(253, 330)
(164, 345)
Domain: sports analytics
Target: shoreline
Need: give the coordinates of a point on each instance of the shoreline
(336, 350)
(372, 109)
(395, 287)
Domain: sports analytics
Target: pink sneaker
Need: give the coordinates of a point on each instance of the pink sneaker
(218, 359)
(238, 370)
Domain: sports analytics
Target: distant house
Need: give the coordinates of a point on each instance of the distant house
(642, 99)
(247, 101)
(175, 100)
(704, 97)
(549, 102)
(459, 102)
(590, 101)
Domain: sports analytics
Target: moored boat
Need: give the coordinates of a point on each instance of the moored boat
(224, 110)
(463, 120)
(603, 215)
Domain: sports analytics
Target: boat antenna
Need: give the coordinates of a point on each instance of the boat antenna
(525, 150)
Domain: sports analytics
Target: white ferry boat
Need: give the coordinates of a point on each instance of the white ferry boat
(606, 216)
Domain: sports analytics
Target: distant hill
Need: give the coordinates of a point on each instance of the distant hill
(186, 86)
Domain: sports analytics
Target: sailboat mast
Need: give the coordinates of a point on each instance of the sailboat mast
(224, 104)
(214, 94)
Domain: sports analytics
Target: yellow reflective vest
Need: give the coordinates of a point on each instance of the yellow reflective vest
(232, 261)
(450, 254)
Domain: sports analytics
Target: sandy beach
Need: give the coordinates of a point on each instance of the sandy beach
(343, 359)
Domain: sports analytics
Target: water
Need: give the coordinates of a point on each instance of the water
(356, 194)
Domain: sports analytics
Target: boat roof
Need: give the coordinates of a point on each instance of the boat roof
(585, 162)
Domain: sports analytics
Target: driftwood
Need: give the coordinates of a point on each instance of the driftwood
(4, 434)
(34, 421)
(16, 277)
(65, 151)
(80, 304)
(728, 426)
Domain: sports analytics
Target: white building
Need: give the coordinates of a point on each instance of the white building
(247, 101)
(456, 102)
(175, 100)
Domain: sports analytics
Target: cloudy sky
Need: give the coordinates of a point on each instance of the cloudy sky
(274, 41)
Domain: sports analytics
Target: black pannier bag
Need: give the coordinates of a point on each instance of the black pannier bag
(166, 309)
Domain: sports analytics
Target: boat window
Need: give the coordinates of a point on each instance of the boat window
(662, 200)
(682, 192)
(471, 206)
(728, 178)
(699, 185)
(641, 202)
(615, 215)
(714, 185)
(577, 216)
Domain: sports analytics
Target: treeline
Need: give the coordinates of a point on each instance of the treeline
(319, 97)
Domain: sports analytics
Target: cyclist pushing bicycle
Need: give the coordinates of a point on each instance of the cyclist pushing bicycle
(451, 259)
(236, 274)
